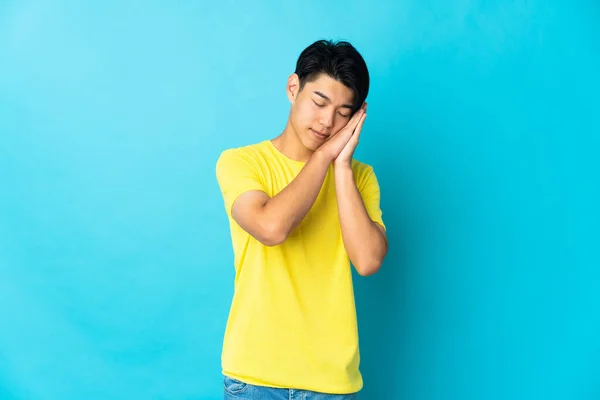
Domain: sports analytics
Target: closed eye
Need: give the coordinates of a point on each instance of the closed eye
(323, 105)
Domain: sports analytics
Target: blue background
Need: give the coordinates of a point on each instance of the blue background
(115, 262)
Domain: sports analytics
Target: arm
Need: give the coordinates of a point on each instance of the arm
(365, 241)
(271, 220)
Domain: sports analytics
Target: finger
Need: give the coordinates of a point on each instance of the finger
(354, 120)
(360, 113)
(345, 134)
(363, 108)
(351, 144)
(350, 127)
(358, 129)
(356, 116)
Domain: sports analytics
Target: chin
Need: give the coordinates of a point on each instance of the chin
(312, 146)
(309, 143)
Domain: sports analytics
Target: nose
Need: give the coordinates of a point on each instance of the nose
(326, 119)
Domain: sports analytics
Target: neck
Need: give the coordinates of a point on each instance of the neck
(290, 145)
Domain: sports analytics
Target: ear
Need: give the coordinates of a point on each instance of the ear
(293, 87)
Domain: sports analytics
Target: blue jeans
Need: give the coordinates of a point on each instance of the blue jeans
(235, 389)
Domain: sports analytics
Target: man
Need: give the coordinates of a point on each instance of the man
(300, 209)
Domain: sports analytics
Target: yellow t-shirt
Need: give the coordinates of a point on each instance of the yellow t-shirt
(292, 322)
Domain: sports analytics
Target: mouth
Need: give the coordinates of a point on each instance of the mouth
(320, 135)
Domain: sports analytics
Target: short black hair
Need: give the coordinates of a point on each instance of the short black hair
(341, 61)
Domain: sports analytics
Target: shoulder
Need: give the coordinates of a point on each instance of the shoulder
(361, 168)
(251, 150)
(364, 175)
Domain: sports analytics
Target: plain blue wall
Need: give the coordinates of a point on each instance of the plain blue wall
(115, 263)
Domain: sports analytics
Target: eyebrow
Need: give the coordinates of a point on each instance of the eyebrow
(350, 106)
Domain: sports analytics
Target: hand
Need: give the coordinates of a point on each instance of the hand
(334, 146)
(344, 158)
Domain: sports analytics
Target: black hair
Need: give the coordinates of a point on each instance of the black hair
(341, 61)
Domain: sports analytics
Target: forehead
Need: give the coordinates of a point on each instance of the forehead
(335, 90)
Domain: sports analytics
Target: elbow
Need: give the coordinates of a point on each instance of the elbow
(272, 234)
(368, 259)
(272, 241)
(369, 265)
(368, 268)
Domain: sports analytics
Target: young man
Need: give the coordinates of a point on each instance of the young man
(300, 209)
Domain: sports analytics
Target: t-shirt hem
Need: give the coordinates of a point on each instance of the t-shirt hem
(256, 382)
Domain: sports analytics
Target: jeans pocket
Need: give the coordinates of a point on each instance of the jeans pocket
(233, 386)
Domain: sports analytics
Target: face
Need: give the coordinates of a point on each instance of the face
(320, 110)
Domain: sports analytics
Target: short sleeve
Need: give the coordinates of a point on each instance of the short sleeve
(368, 186)
(237, 174)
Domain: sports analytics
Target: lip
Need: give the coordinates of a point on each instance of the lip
(319, 135)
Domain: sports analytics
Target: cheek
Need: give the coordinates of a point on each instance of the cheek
(304, 113)
(340, 123)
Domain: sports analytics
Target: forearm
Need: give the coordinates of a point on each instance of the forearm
(289, 207)
(364, 241)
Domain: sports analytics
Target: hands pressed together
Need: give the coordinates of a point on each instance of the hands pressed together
(340, 148)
